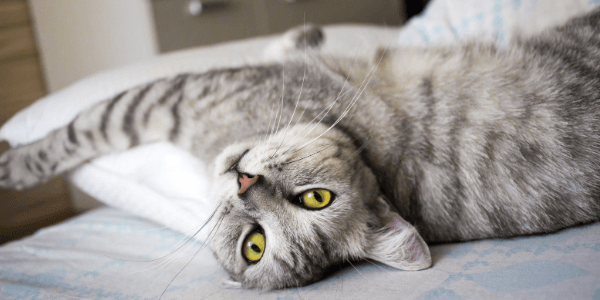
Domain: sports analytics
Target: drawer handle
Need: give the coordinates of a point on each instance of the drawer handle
(196, 7)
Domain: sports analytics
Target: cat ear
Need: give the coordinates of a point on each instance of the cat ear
(397, 243)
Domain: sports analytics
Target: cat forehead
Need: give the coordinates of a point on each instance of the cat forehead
(304, 150)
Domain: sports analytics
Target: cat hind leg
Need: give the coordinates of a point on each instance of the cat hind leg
(295, 41)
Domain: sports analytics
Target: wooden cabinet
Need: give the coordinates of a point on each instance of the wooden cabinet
(21, 83)
(223, 20)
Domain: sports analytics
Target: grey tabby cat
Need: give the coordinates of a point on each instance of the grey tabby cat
(323, 160)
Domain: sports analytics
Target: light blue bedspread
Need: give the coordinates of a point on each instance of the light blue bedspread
(106, 253)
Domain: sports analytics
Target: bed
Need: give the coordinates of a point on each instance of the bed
(138, 246)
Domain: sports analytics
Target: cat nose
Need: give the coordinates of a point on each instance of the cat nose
(246, 181)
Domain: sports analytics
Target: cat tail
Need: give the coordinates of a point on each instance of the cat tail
(148, 113)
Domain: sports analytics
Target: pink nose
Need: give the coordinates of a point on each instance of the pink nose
(246, 182)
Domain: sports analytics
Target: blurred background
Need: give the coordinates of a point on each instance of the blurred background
(47, 45)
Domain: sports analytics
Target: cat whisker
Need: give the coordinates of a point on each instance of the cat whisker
(180, 252)
(364, 145)
(386, 270)
(169, 262)
(354, 99)
(353, 154)
(269, 127)
(325, 148)
(328, 108)
(290, 162)
(282, 97)
(187, 218)
(302, 114)
(353, 102)
(348, 108)
(279, 108)
(353, 63)
(210, 235)
(188, 240)
(176, 254)
(297, 100)
(377, 265)
(325, 110)
(356, 269)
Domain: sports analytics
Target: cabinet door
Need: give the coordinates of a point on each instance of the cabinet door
(283, 14)
(220, 20)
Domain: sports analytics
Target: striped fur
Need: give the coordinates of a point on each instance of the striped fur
(463, 142)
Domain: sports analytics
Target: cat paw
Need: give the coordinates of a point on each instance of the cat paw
(295, 41)
(305, 36)
(17, 171)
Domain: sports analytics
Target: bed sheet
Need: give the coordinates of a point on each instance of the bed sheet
(111, 254)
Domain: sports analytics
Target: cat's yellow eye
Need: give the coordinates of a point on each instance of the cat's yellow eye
(316, 199)
(254, 246)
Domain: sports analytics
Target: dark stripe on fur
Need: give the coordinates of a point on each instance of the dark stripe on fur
(71, 133)
(487, 163)
(43, 155)
(178, 83)
(147, 114)
(5, 176)
(284, 264)
(323, 241)
(310, 267)
(576, 91)
(67, 150)
(430, 101)
(89, 136)
(174, 133)
(106, 114)
(294, 259)
(455, 189)
(129, 119)
(28, 164)
(39, 167)
(5, 159)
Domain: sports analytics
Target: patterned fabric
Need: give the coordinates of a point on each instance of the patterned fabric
(109, 254)
(495, 20)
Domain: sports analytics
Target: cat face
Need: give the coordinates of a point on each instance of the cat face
(299, 202)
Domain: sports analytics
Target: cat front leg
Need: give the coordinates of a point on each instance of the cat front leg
(144, 114)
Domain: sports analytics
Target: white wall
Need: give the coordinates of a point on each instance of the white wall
(77, 38)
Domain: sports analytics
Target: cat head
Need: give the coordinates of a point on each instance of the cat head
(299, 202)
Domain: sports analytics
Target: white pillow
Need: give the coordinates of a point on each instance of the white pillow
(159, 181)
